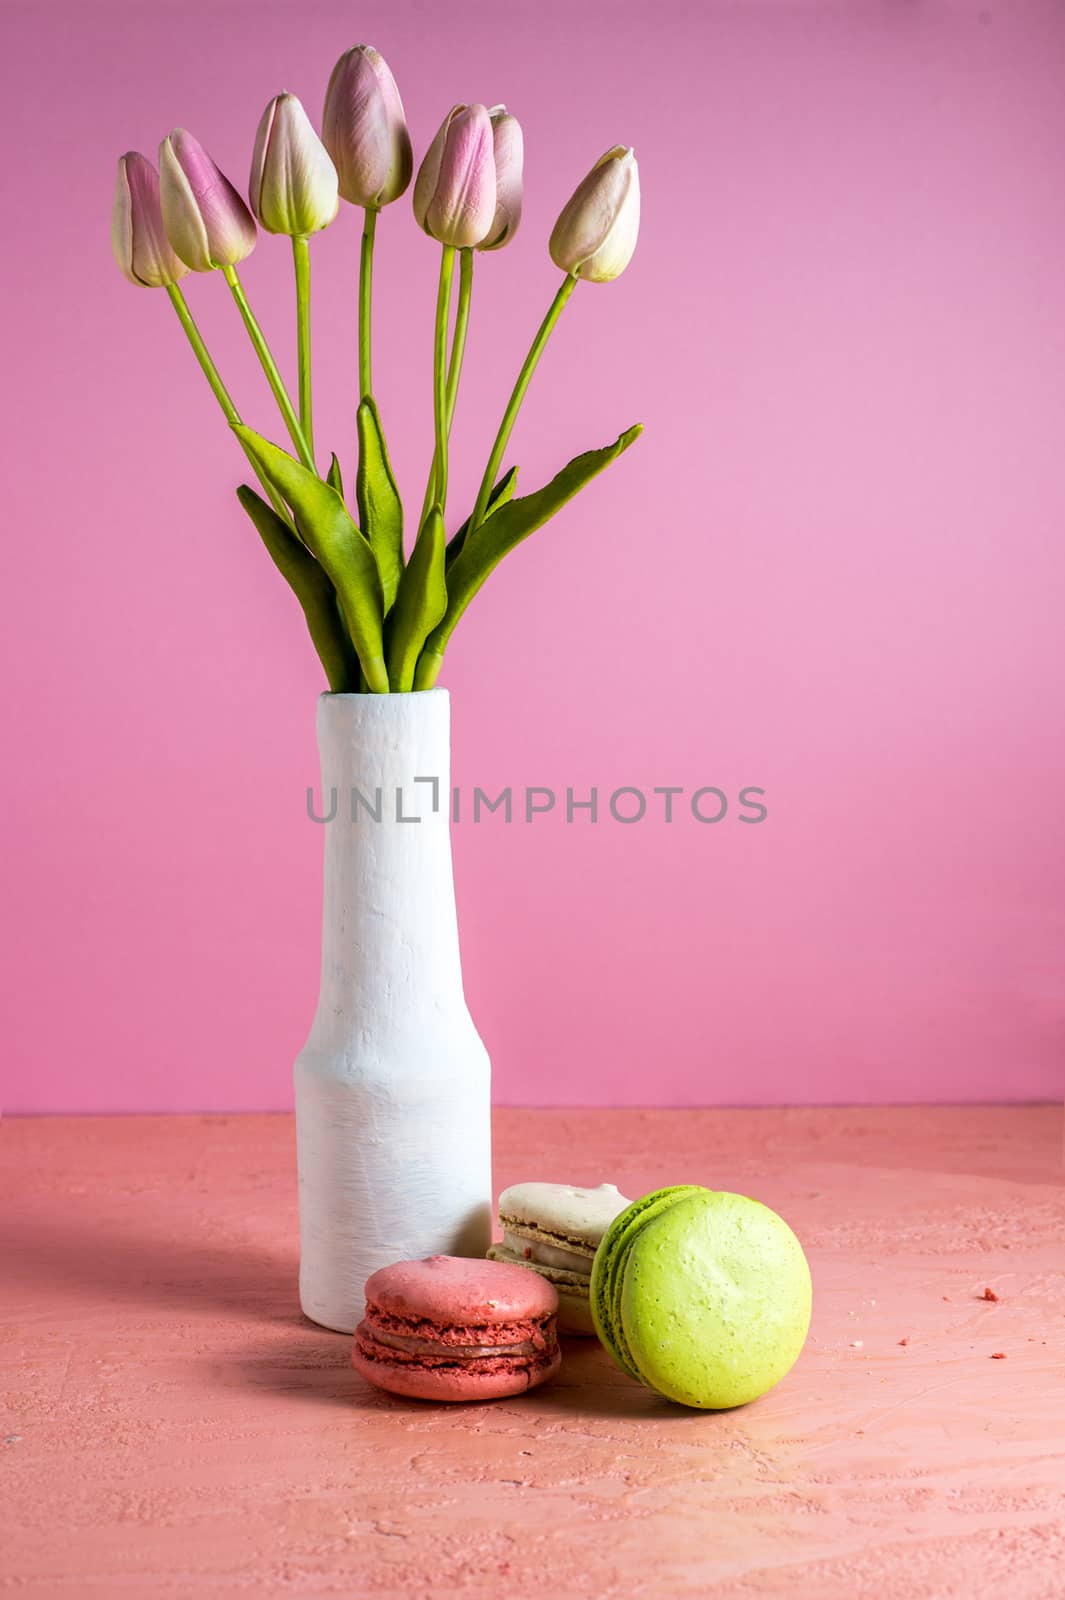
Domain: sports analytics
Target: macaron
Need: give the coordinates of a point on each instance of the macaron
(554, 1229)
(702, 1295)
(447, 1328)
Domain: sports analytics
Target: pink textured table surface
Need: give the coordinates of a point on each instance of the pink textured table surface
(171, 1426)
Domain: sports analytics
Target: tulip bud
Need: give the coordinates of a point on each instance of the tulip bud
(138, 237)
(365, 131)
(293, 183)
(455, 190)
(595, 234)
(208, 223)
(508, 151)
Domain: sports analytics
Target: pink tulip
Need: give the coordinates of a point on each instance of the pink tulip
(596, 231)
(455, 190)
(208, 223)
(508, 153)
(138, 237)
(365, 131)
(293, 184)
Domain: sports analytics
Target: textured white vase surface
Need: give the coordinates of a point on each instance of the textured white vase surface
(392, 1087)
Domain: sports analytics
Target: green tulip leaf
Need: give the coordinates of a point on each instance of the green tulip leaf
(503, 491)
(330, 535)
(421, 602)
(334, 477)
(380, 507)
(311, 585)
(484, 548)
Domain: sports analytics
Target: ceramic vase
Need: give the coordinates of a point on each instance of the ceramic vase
(392, 1088)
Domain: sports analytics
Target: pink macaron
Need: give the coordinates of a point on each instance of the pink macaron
(450, 1329)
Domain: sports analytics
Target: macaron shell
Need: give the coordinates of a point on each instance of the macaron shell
(561, 1211)
(715, 1300)
(452, 1291)
(608, 1268)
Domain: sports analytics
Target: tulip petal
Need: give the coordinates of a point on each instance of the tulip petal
(455, 191)
(208, 223)
(184, 222)
(258, 157)
(617, 247)
(508, 154)
(293, 184)
(365, 130)
(425, 184)
(596, 231)
(138, 238)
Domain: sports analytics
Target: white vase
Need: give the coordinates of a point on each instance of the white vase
(392, 1087)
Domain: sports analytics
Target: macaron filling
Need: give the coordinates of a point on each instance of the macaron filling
(433, 1347)
(490, 1359)
(421, 1338)
(529, 1247)
(536, 1332)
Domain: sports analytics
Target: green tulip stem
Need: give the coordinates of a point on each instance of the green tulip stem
(301, 257)
(510, 415)
(462, 323)
(454, 369)
(218, 388)
(443, 308)
(203, 355)
(369, 229)
(269, 366)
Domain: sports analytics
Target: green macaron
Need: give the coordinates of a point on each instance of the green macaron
(703, 1296)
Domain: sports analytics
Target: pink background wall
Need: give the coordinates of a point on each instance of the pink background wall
(832, 568)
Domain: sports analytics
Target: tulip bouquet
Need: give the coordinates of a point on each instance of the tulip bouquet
(380, 619)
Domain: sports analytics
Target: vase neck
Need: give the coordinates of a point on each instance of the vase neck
(389, 932)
